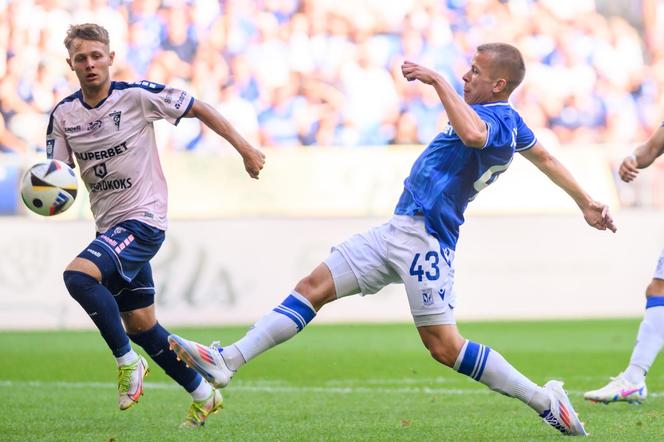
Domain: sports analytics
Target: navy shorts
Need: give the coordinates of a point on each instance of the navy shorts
(123, 255)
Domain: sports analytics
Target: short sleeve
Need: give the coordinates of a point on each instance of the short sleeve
(525, 138)
(57, 147)
(163, 102)
(498, 134)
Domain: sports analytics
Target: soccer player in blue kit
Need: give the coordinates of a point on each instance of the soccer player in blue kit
(630, 385)
(416, 247)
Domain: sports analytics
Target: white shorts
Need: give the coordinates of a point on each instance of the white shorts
(659, 271)
(401, 251)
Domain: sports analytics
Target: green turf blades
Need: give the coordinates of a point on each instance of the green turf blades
(350, 382)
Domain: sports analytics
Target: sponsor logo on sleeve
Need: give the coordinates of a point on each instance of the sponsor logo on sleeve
(72, 129)
(50, 145)
(168, 97)
(181, 98)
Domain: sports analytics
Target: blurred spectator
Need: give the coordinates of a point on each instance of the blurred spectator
(320, 72)
(10, 143)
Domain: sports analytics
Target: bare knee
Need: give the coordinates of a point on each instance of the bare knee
(84, 266)
(655, 288)
(139, 320)
(311, 289)
(445, 353)
(317, 287)
(443, 342)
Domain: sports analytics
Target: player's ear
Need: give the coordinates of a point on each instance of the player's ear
(69, 63)
(499, 86)
(112, 56)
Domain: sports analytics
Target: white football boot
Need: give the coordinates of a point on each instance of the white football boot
(207, 361)
(130, 382)
(561, 414)
(618, 390)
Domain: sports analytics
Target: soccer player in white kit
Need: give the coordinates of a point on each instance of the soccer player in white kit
(630, 385)
(107, 127)
(416, 247)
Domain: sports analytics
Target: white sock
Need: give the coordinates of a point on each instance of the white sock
(202, 392)
(127, 358)
(649, 342)
(233, 357)
(490, 368)
(279, 325)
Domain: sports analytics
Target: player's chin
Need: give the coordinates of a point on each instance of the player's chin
(93, 81)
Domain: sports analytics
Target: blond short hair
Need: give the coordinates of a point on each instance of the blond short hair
(507, 61)
(86, 31)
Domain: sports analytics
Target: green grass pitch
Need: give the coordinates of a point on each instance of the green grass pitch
(332, 382)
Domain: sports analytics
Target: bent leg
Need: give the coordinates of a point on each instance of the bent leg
(82, 279)
(482, 364)
(144, 330)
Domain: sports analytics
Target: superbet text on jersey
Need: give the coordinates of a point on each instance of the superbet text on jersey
(114, 146)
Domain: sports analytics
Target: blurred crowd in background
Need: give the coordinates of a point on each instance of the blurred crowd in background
(326, 72)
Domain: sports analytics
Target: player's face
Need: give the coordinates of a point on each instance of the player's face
(478, 81)
(91, 61)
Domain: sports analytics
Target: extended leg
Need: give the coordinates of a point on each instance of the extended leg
(489, 367)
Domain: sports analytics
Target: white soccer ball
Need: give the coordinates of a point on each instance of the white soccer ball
(49, 187)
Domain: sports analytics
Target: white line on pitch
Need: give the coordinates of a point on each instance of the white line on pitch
(265, 387)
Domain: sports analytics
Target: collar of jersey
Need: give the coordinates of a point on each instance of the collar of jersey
(495, 103)
(85, 105)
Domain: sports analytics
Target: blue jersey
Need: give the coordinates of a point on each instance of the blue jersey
(447, 175)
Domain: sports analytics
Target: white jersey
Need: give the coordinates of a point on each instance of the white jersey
(115, 148)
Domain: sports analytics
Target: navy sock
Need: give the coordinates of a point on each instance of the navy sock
(98, 302)
(155, 344)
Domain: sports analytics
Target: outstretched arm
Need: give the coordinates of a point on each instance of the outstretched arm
(596, 214)
(643, 156)
(470, 128)
(253, 158)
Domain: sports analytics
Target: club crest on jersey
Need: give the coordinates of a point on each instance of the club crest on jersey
(94, 125)
(100, 170)
(116, 116)
(427, 297)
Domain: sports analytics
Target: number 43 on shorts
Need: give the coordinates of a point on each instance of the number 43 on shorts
(431, 259)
